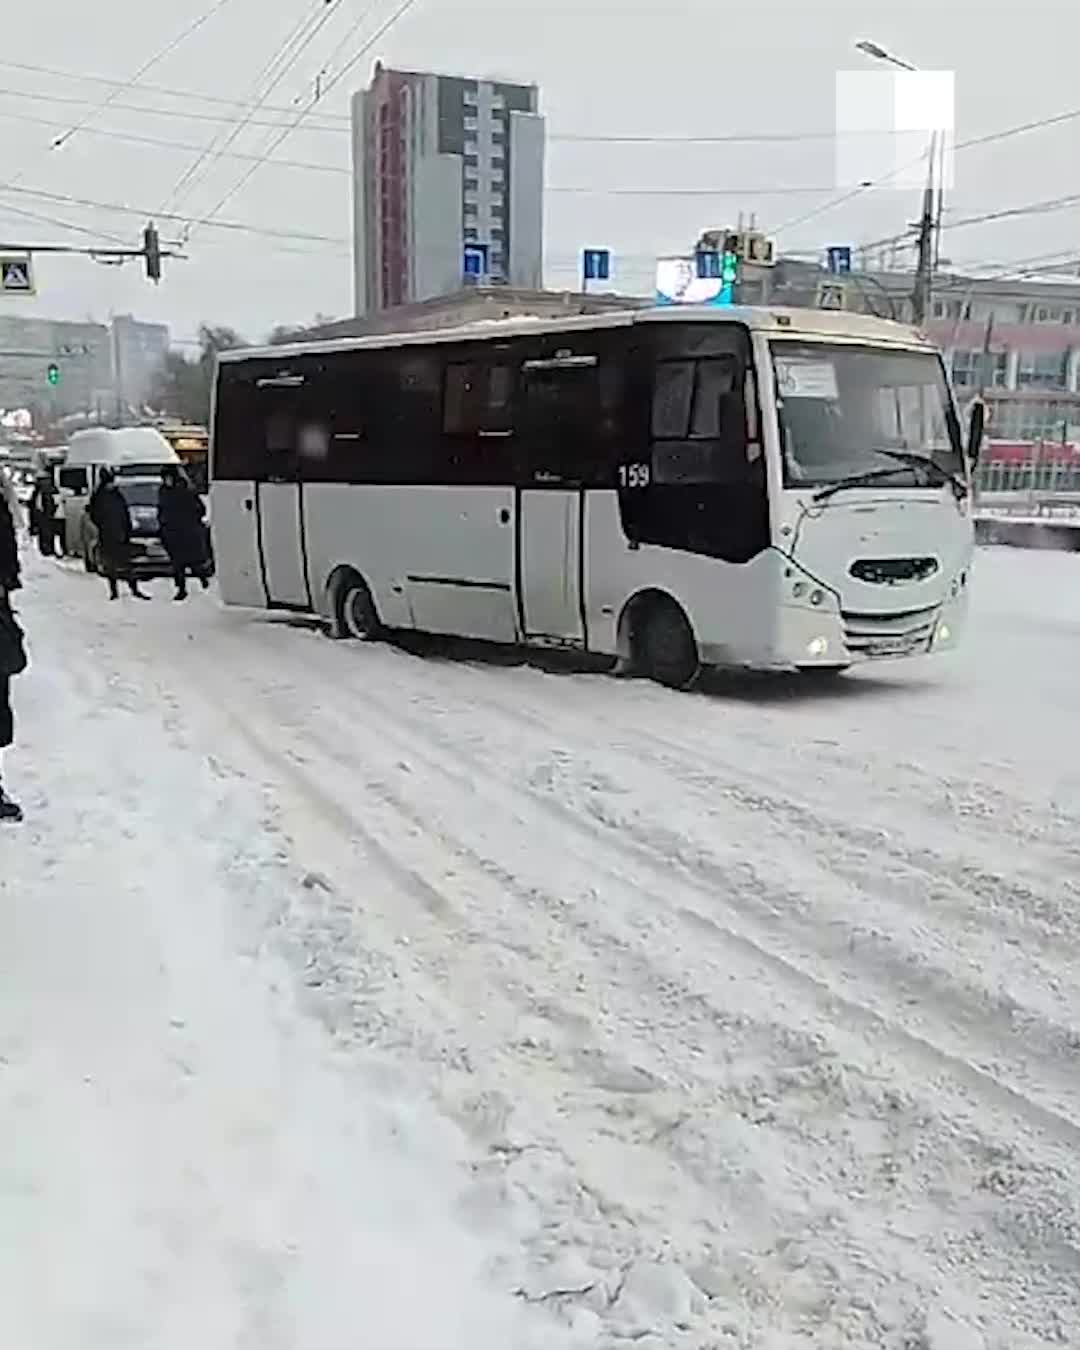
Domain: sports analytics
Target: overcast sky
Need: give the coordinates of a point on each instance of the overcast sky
(605, 67)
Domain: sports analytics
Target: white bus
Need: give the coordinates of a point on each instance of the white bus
(673, 488)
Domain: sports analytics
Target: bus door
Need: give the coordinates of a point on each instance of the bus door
(461, 576)
(280, 493)
(565, 417)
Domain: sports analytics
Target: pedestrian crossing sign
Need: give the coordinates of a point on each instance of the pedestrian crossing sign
(16, 275)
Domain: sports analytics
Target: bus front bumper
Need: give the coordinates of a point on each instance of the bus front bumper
(818, 634)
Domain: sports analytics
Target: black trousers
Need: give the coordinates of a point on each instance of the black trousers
(48, 537)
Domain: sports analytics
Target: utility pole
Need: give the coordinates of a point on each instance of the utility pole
(924, 268)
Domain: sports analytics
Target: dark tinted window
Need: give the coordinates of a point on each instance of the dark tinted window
(573, 416)
(701, 485)
(479, 398)
(689, 398)
(236, 449)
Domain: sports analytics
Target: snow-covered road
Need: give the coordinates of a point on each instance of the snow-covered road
(359, 1000)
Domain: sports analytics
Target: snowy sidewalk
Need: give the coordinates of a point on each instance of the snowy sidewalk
(185, 1161)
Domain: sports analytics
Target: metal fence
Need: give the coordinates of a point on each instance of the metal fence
(1036, 476)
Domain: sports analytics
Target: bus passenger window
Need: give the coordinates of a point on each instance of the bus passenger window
(574, 412)
(673, 394)
(281, 448)
(478, 399)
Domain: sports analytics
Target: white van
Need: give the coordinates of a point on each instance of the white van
(136, 455)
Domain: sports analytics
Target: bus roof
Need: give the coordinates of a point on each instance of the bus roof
(810, 324)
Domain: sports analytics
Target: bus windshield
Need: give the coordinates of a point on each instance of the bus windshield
(843, 409)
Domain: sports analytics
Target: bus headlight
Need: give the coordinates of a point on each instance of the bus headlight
(817, 646)
(943, 635)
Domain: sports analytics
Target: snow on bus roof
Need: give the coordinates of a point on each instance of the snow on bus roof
(774, 320)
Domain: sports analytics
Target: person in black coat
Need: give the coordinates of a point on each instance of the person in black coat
(111, 516)
(43, 513)
(10, 580)
(182, 522)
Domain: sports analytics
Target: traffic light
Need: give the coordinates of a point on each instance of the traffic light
(729, 276)
(152, 252)
(52, 375)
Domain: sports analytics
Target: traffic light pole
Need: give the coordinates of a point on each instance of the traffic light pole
(151, 252)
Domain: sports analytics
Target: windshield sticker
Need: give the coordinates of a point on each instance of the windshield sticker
(806, 379)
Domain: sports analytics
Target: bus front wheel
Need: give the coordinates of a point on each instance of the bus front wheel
(666, 649)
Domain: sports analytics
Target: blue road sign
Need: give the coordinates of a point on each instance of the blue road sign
(475, 261)
(840, 258)
(596, 264)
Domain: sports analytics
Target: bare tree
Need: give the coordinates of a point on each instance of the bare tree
(183, 385)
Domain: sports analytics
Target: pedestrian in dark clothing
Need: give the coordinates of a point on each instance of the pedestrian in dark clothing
(12, 653)
(43, 512)
(111, 517)
(182, 522)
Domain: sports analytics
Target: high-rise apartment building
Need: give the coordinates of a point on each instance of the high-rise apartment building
(440, 162)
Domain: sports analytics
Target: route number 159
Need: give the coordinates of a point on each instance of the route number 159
(634, 475)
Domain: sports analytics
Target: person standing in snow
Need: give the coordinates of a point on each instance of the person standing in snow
(43, 511)
(182, 522)
(111, 517)
(12, 650)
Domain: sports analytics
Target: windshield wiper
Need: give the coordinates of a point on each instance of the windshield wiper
(853, 480)
(905, 457)
(925, 462)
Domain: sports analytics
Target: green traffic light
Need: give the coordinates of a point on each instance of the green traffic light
(53, 375)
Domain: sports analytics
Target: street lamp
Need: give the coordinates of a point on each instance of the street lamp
(929, 236)
(879, 53)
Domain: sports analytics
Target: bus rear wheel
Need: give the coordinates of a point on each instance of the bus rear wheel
(356, 613)
(666, 649)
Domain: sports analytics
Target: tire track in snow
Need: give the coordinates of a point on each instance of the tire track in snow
(776, 908)
(690, 1152)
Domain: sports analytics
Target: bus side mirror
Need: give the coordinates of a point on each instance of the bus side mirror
(976, 427)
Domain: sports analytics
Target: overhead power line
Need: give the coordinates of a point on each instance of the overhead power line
(274, 72)
(146, 67)
(120, 208)
(228, 132)
(342, 120)
(7, 209)
(161, 143)
(1019, 129)
(335, 80)
(272, 116)
(188, 95)
(275, 117)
